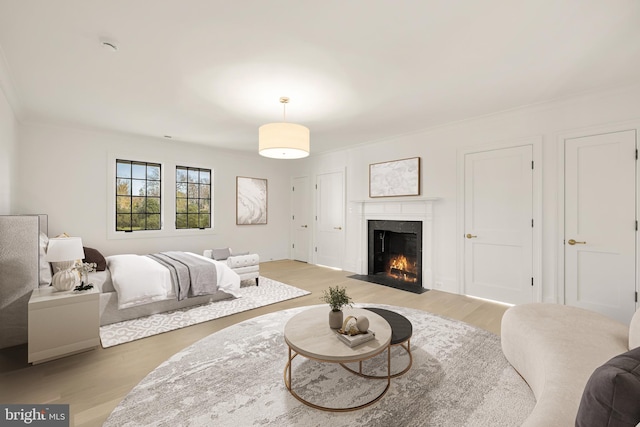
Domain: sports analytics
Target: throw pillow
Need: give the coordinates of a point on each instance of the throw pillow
(93, 255)
(611, 395)
(220, 254)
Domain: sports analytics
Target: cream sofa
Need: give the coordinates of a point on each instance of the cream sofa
(556, 348)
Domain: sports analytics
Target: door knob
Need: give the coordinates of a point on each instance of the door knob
(471, 236)
(304, 226)
(573, 242)
(337, 228)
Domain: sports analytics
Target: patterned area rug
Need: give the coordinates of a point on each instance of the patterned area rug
(269, 292)
(234, 377)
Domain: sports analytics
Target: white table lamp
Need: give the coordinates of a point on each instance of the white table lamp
(63, 253)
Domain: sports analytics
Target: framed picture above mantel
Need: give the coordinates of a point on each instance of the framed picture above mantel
(251, 201)
(395, 178)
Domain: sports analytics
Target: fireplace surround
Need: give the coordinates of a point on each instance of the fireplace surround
(395, 253)
(411, 212)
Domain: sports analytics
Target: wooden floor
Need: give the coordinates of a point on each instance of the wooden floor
(94, 382)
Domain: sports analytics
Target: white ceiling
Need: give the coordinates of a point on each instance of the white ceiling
(211, 72)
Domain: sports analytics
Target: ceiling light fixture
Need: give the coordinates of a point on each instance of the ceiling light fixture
(283, 140)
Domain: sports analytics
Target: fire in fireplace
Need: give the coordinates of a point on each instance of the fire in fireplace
(395, 254)
(402, 269)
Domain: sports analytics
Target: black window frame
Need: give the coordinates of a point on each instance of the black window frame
(192, 195)
(149, 216)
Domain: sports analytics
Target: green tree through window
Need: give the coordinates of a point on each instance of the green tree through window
(138, 196)
(193, 198)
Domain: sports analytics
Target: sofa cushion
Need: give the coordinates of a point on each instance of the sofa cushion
(611, 395)
(220, 254)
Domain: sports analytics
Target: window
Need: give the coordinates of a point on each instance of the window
(137, 196)
(193, 198)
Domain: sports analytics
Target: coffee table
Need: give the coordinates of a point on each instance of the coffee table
(308, 334)
(401, 332)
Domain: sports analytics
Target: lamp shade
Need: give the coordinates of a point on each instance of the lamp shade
(64, 249)
(283, 141)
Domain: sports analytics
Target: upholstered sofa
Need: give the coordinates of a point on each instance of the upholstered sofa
(557, 348)
(246, 265)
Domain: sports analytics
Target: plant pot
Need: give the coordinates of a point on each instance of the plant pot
(335, 319)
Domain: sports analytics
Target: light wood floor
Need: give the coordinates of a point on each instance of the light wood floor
(94, 382)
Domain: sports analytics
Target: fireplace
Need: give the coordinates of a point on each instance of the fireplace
(395, 254)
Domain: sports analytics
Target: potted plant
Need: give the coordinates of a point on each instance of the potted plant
(337, 298)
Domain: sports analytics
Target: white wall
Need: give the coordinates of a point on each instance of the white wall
(63, 173)
(8, 144)
(438, 150)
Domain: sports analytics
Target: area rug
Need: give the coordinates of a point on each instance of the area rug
(269, 292)
(234, 377)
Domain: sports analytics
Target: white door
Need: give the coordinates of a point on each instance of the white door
(600, 223)
(300, 219)
(330, 219)
(498, 220)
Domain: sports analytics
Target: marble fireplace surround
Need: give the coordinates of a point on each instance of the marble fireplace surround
(398, 209)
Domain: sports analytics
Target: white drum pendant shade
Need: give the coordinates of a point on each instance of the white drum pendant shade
(283, 141)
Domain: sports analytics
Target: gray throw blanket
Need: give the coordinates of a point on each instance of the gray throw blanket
(191, 276)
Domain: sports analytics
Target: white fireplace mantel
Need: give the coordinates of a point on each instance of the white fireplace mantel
(398, 209)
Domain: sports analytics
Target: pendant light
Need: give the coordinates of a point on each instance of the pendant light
(283, 140)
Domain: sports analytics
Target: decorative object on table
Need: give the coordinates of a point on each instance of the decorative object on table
(63, 253)
(355, 340)
(395, 178)
(355, 331)
(251, 201)
(84, 268)
(82, 287)
(337, 298)
(283, 140)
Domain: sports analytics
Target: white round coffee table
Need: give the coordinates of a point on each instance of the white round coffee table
(308, 334)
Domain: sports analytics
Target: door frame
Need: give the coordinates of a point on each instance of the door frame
(536, 144)
(559, 294)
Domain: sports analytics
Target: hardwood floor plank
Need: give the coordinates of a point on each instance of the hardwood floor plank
(94, 382)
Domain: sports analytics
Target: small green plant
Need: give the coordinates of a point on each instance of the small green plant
(336, 298)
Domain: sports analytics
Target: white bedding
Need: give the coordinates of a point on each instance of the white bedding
(140, 280)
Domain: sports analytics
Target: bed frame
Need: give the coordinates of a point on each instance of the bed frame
(19, 273)
(109, 312)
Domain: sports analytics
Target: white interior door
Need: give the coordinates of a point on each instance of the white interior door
(330, 219)
(600, 223)
(300, 219)
(498, 220)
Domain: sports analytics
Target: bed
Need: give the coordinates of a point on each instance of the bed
(134, 286)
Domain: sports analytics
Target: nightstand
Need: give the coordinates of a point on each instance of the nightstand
(62, 323)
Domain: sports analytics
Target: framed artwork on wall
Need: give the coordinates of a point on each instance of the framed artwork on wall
(395, 178)
(251, 201)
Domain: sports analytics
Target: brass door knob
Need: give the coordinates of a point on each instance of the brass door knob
(573, 242)
(337, 228)
(471, 236)
(304, 226)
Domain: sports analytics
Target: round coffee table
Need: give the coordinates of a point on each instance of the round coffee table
(401, 332)
(308, 334)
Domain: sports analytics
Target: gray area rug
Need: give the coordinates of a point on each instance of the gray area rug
(234, 377)
(250, 297)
